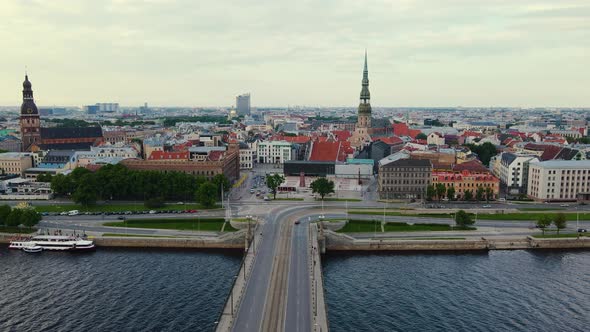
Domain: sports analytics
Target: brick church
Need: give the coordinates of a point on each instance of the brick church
(35, 138)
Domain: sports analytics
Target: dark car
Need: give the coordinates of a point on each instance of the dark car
(582, 230)
(121, 217)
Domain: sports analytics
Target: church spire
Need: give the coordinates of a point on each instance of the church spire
(365, 94)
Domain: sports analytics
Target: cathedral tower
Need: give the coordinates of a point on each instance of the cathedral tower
(30, 122)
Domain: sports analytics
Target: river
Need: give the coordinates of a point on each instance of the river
(495, 291)
(114, 290)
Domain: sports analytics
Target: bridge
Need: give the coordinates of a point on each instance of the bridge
(279, 286)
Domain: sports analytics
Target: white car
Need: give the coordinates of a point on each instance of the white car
(487, 206)
(564, 205)
(152, 211)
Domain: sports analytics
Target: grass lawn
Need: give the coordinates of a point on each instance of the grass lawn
(517, 216)
(361, 226)
(404, 227)
(558, 236)
(14, 229)
(194, 224)
(434, 238)
(114, 207)
(341, 200)
(132, 235)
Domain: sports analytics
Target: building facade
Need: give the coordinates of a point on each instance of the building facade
(15, 162)
(466, 181)
(514, 171)
(30, 122)
(275, 152)
(558, 180)
(243, 104)
(404, 178)
(247, 156)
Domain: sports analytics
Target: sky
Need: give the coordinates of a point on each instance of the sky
(524, 53)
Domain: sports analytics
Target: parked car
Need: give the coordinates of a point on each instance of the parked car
(487, 206)
(582, 230)
(152, 212)
(121, 217)
(297, 222)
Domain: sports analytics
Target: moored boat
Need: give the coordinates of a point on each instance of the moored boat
(53, 242)
(33, 249)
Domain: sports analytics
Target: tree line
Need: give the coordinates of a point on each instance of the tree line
(440, 191)
(117, 182)
(16, 216)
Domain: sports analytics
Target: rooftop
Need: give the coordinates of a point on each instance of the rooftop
(563, 164)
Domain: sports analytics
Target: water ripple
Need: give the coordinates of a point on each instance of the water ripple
(495, 291)
(113, 290)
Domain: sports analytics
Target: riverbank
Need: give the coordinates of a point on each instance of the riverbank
(342, 242)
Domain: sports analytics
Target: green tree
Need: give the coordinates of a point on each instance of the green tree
(4, 212)
(273, 182)
(451, 193)
(421, 136)
(560, 221)
(14, 218)
(479, 194)
(543, 222)
(44, 177)
(463, 219)
(322, 186)
(430, 192)
(485, 151)
(468, 195)
(220, 181)
(489, 194)
(441, 190)
(87, 191)
(62, 185)
(29, 217)
(207, 194)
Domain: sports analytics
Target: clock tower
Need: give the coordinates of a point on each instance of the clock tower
(30, 122)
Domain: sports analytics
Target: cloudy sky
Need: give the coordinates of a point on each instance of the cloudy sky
(203, 53)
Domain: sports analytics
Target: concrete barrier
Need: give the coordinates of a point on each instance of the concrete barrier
(342, 242)
(320, 316)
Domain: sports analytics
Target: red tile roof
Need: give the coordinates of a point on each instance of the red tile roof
(165, 155)
(388, 140)
(550, 152)
(291, 139)
(215, 155)
(342, 135)
(474, 166)
(329, 151)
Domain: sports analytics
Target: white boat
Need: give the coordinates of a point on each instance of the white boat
(33, 249)
(53, 242)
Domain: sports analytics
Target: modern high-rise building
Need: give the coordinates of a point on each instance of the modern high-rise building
(243, 104)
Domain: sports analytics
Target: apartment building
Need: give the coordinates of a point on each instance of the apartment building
(466, 181)
(275, 152)
(404, 178)
(558, 180)
(15, 162)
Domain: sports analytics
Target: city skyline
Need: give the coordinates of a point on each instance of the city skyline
(177, 53)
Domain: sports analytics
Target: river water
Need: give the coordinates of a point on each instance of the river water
(495, 291)
(114, 290)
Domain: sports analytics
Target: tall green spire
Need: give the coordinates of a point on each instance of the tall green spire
(365, 94)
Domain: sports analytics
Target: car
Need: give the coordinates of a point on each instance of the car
(128, 212)
(486, 206)
(252, 191)
(180, 203)
(582, 230)
(266, 198)
(297, 222)
(502, 199)
(121, 217)
(564, 205)
(152, 212)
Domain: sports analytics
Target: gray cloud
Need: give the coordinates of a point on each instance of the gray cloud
(448, 52)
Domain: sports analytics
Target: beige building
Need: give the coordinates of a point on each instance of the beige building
(404, 178)
(558, 180)
(15, 162)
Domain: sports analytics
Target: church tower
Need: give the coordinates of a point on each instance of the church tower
(30, 122)
(363, 125)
